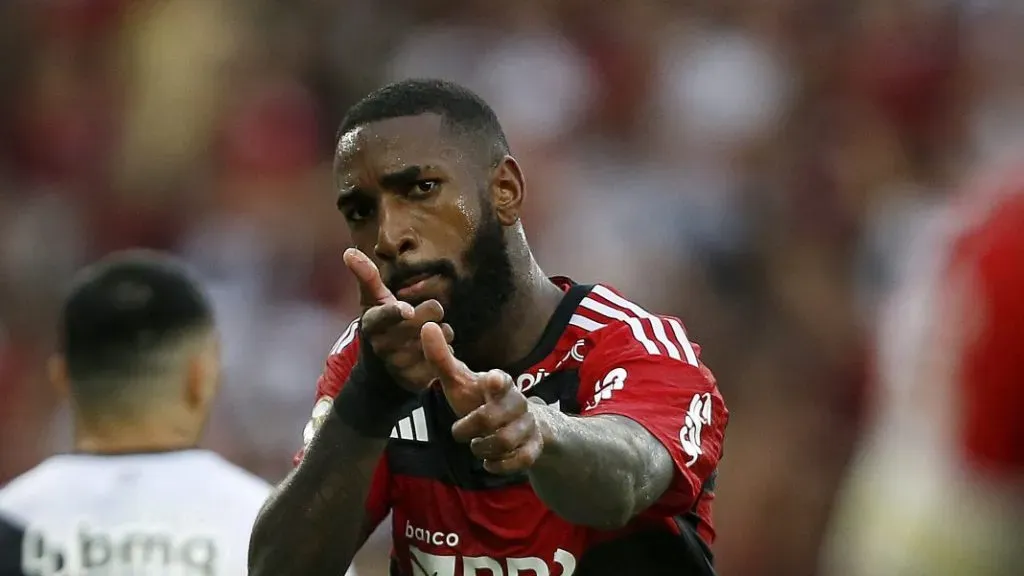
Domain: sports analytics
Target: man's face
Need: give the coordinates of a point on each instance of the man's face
(417, 204)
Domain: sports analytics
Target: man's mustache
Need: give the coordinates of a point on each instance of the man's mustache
(400, 275)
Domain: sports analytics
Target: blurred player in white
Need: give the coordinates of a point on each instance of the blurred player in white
(139, 360)
(938, 487)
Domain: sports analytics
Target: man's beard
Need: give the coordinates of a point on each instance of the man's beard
(476, 300)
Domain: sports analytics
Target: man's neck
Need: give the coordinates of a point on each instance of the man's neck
(522, 322)
(110, 439)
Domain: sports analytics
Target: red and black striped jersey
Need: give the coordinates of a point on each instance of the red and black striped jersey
(599, 354)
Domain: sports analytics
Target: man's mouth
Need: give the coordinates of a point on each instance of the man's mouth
(414, 287)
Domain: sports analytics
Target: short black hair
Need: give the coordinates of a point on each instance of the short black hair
(121, 314)
(463, 111)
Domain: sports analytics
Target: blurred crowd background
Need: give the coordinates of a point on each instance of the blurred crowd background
(752, 166)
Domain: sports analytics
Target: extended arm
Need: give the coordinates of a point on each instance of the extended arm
(313, 524)
(316, 519)
(650, 437)
(599, 471)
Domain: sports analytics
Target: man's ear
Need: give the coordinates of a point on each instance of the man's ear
(508, 190)
(57, 372)
(202, 373)
(194, 392)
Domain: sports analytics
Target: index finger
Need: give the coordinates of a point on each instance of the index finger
(372, 290)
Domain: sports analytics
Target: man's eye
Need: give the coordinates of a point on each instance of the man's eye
(425, 187)
(358, 213)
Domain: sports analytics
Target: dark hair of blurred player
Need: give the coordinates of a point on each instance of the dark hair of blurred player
(138, 355)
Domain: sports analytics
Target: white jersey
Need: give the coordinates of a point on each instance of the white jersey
(172, 513)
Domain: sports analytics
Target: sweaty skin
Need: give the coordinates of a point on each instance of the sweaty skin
(599, 471)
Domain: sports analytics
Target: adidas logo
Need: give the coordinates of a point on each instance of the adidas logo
(413, 427)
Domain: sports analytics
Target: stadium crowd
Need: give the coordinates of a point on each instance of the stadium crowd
(752, 167)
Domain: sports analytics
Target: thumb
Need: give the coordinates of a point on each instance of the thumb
(450, 369)
(495, 384)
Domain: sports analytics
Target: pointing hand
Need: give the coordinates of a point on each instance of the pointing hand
(391, 327)
(495, 417)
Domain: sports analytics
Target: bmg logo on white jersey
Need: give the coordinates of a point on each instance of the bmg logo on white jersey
(131, 552)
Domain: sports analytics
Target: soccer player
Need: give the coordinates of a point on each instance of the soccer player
(140, 362)
(938, 487)
(510, 422)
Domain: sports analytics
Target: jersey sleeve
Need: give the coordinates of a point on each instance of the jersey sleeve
(339, 363)
(985, 301)
(631, 372)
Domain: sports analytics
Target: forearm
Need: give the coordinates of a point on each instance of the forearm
(313, 523)
(599, 471)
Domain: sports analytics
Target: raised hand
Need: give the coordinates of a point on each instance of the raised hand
(391, 327)
(495, 418)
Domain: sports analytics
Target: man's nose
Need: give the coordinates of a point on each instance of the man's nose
(396, 235)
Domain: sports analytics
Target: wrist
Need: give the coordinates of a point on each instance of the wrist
(371, 401)
(551, 425)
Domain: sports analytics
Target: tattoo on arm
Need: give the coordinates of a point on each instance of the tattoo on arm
(599, 471)
(314, 523)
